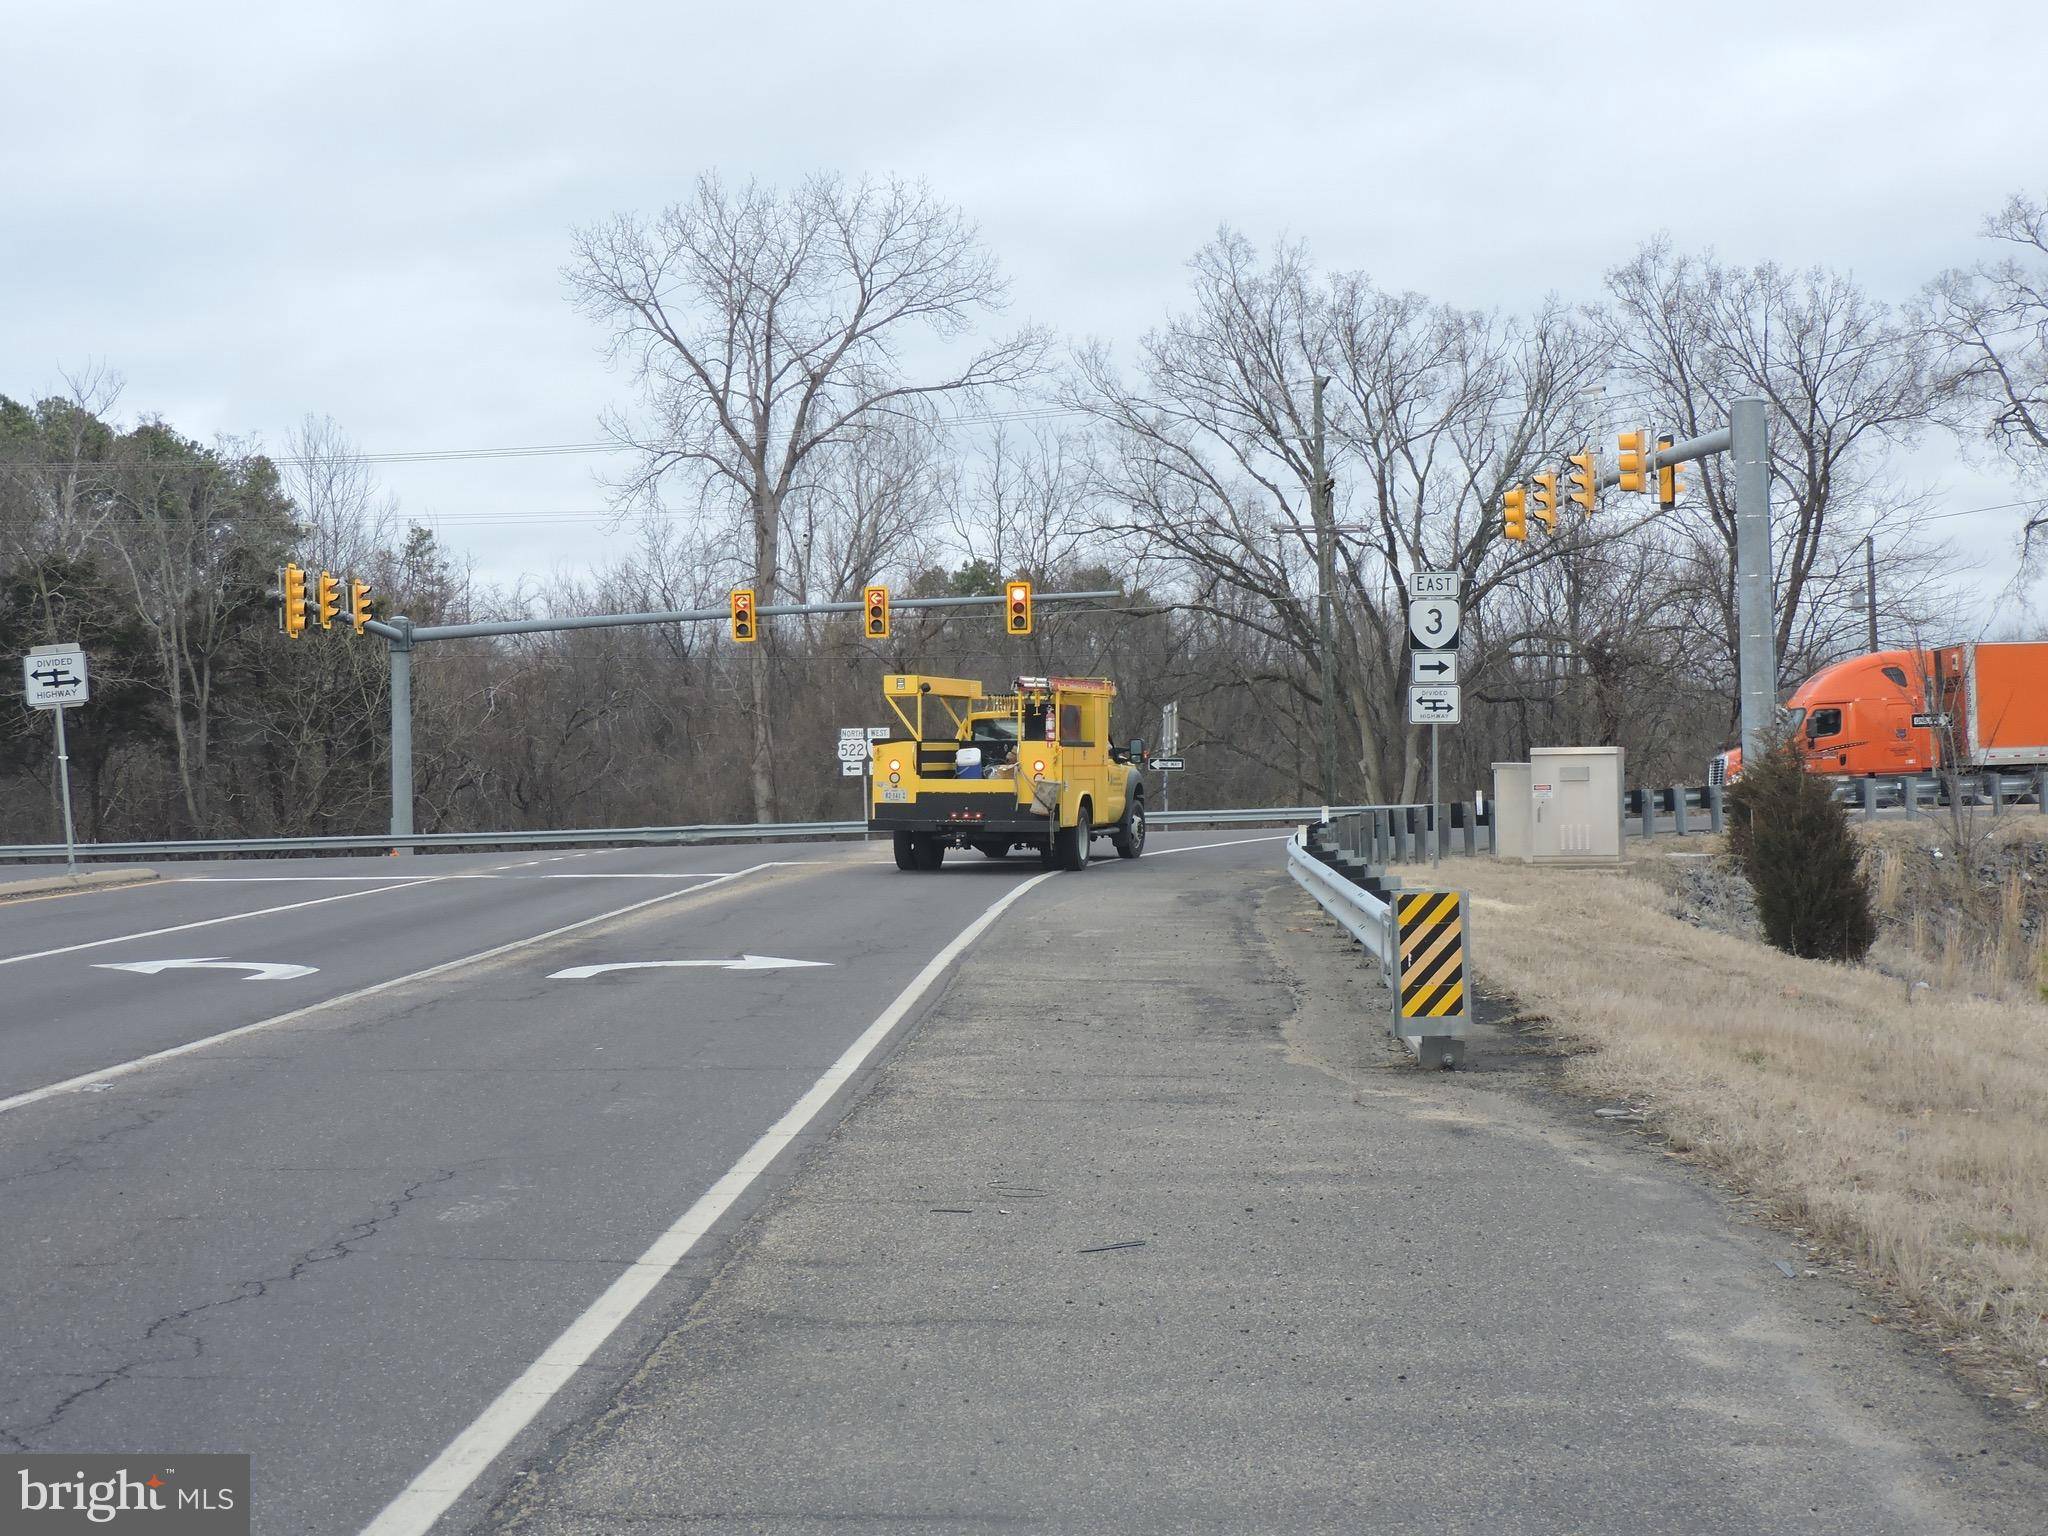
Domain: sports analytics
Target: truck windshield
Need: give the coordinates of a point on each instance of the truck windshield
(1794, 719)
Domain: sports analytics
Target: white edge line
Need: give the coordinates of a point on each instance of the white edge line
(232, 917)
(108, 1074)
(1153, 853)
(427, 1497)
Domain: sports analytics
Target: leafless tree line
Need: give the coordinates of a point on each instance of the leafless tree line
(816, 405)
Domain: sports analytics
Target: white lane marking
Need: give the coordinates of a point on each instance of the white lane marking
(232, 917)
(259, 970)
(685, 874)
(91, 1082)
(449, 1475)
(1277, 837)
(744, 963)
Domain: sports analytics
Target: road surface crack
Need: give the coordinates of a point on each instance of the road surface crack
(340, 1246)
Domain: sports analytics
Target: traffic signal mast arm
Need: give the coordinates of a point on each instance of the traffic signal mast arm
(1717, 441)
(700, 615)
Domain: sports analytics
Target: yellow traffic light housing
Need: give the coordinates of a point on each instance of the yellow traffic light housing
(328, 606)
(1545, 510)
(1514, 513)
(1017, 607)
(358, 604)
(1631, 465)
(291, 586)
(1585, 480)
(742, 603)
(876, 601)
(1668, 483)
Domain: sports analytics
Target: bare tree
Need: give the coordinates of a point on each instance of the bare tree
(766, 329)
(1991, 323)
(1433, 411)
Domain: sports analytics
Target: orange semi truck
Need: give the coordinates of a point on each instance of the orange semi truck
(1961, 707)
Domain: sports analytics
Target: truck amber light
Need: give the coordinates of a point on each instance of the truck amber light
(1038, 769)
(895, 766)
(895, 778)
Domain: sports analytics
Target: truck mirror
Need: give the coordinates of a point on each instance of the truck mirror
(1138, 746)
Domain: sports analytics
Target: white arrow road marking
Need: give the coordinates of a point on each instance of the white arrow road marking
(744, 963)
(259, 970)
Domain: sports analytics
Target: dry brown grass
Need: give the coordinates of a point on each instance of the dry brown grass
(1909, 1130)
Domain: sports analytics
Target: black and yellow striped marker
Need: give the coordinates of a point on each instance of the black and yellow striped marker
(1432, 954)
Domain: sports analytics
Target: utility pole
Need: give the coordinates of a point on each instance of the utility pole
(1870, 585)
(1324, 516)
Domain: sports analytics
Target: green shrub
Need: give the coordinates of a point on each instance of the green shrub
(1793, 843)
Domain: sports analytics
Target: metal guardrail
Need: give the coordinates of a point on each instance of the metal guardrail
(1357, 910)
(727, 832)
(230, 847)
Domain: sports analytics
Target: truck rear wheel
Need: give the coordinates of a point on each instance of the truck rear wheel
(931, 851)
(1129, 837)
(905, 844)
(1070, 844)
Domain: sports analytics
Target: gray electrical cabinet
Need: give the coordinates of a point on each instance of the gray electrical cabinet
(1574, 802)
(1511, 811)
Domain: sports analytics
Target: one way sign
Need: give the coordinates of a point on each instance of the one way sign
(1433, 668)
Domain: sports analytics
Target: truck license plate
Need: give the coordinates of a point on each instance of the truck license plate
(896, 793)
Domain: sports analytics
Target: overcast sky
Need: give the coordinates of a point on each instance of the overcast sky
(361, 210)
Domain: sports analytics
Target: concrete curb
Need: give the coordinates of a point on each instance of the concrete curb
(50, 884)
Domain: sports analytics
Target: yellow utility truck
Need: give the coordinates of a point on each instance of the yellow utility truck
(1031, 769)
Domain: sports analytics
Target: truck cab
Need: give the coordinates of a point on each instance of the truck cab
(1036, 768)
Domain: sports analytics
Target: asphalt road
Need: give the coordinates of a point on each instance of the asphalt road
(330, 1216)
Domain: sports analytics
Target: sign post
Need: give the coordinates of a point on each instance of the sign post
(1433, 693)
(1169, 744)
(53, 677)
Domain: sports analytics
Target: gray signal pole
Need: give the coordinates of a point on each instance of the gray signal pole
(1749, 445)
(1324, 515)
(1747, 441)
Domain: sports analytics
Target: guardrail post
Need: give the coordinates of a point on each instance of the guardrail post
(2041, 791)
(1997, 782)
(1681, 802)
(1649, 813)
(1471, 826)
(1869, 793)
(401, 732)
(1714, 812)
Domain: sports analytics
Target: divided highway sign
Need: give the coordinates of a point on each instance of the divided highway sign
(1429, 704)
(54, 676)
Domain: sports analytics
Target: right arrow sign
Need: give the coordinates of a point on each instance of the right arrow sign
(1433, 667)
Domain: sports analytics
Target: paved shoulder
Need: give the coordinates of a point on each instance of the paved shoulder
(1144, 1232)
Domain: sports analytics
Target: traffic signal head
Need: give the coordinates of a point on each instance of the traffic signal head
(329, 605)
(1631, 465)
(358, 604)
(1017, 607)
(1514, 513)
(1585, 480)
(1668, 484)
(291, 586)
(875, 600)
(743, 614)
(1545, 510)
